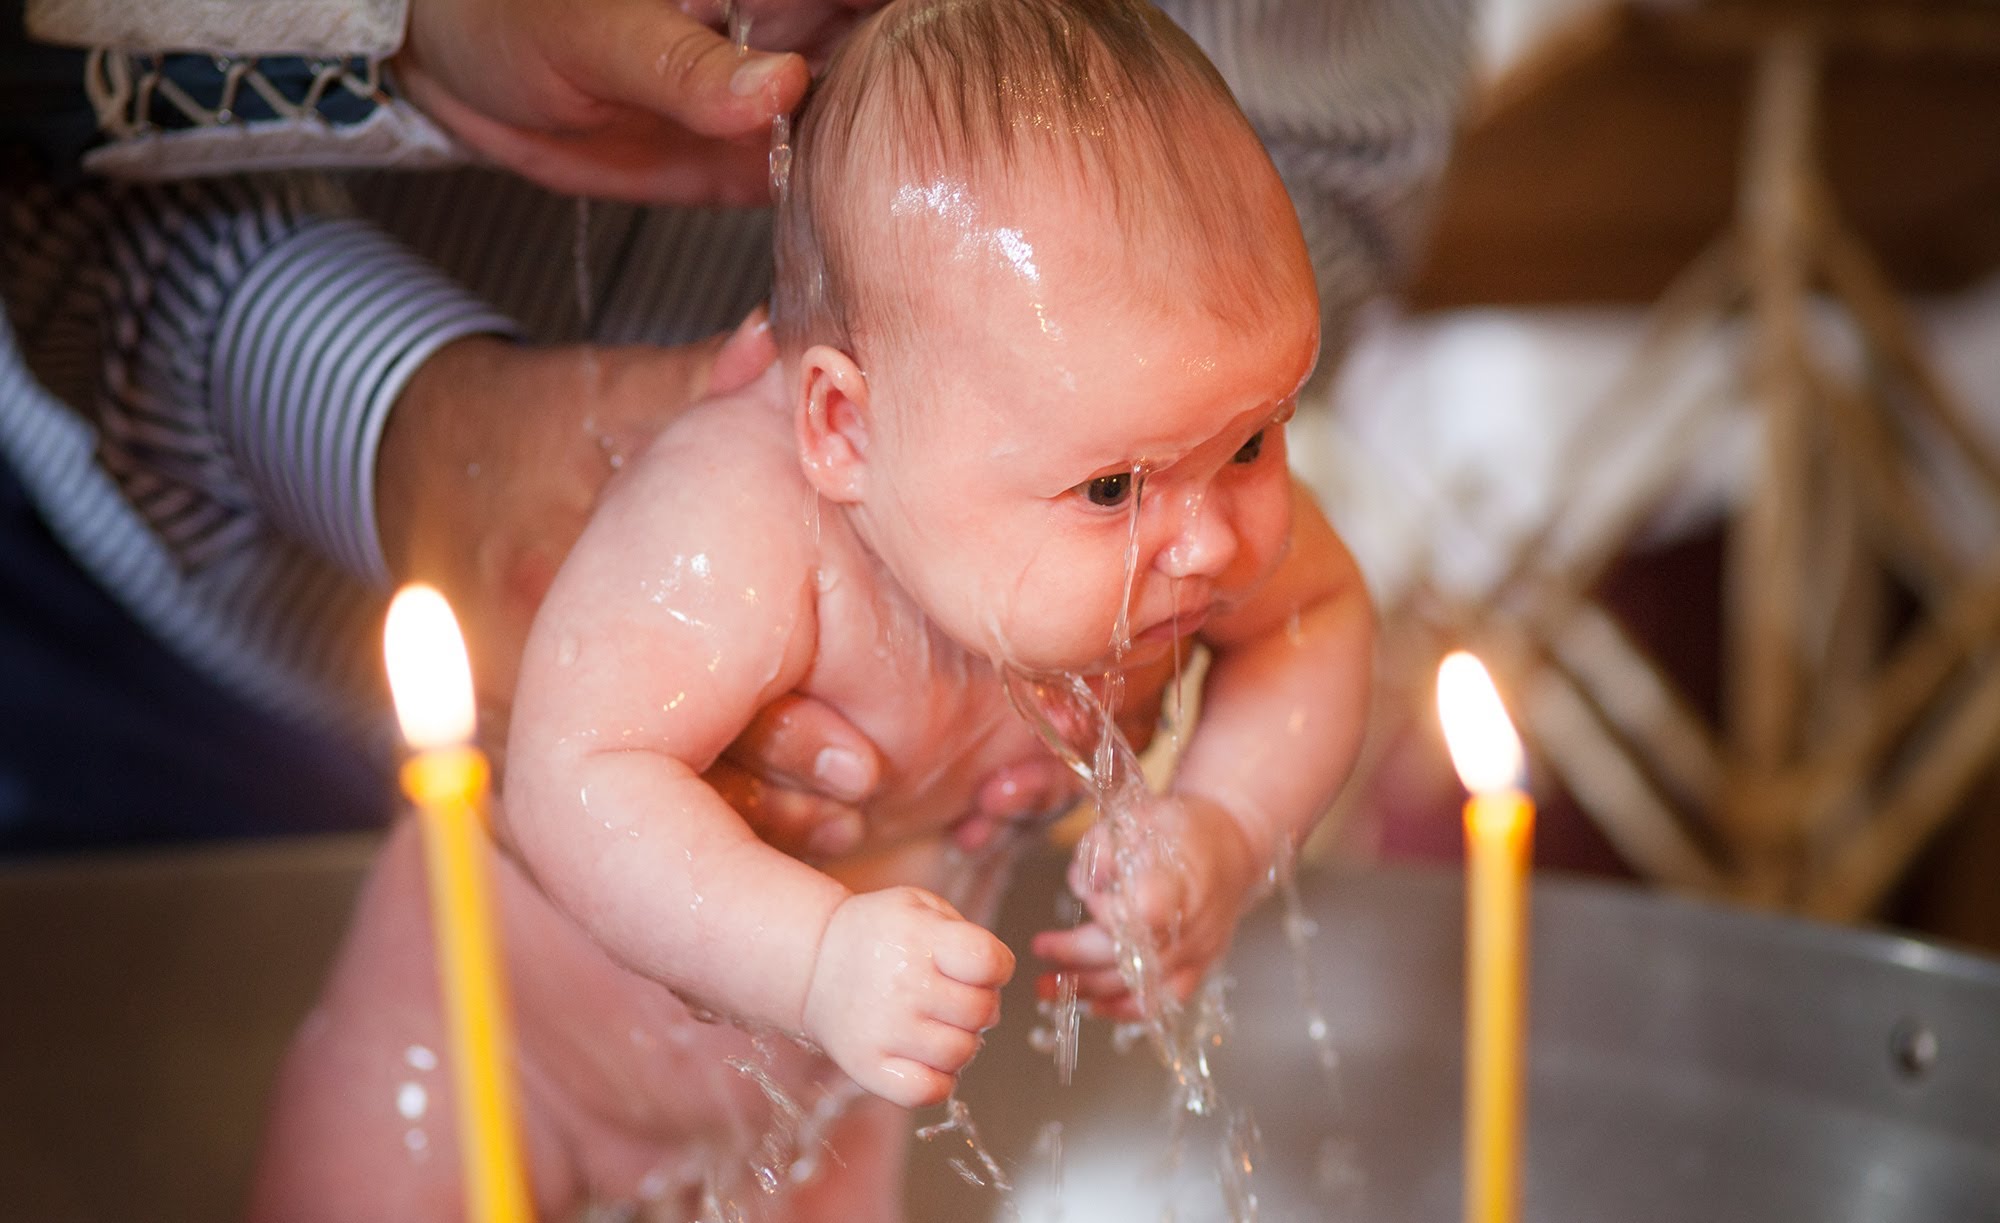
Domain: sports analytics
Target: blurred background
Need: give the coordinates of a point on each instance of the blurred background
(1687, 421)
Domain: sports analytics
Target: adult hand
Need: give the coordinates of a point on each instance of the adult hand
(633, 99)
(490, 466)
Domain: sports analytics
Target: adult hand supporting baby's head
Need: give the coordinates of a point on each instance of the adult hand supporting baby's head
(491, 464)
(632, 99)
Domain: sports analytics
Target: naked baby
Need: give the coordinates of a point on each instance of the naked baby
(1042, 311)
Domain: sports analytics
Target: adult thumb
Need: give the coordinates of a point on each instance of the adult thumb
(747, 352)
(655, 58)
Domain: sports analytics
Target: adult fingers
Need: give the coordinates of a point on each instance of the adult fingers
(804, 744)
(645, 163)
(658, 59)
(748, 352)
(797, 823)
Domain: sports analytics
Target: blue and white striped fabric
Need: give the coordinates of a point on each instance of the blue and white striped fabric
(212, 361)
(208, 367)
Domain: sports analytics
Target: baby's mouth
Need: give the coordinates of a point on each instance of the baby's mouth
(1179, 624)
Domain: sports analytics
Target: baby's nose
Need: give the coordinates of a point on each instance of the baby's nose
(1204, 542)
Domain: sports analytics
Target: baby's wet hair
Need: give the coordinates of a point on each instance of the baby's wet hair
(967, 92)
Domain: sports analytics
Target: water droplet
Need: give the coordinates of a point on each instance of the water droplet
(566, 651)
(411, 1101)
(420, 1058)
(739, 28)
(781, 156)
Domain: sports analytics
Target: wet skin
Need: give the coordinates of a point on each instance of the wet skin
(877, 540)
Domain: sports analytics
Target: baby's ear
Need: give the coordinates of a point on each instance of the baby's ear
(833, 422)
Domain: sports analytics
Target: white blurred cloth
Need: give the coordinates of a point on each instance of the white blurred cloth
(1451, 438)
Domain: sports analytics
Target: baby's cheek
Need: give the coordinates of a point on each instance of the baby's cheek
(1262, 532)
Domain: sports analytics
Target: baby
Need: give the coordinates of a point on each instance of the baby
(1042, 310)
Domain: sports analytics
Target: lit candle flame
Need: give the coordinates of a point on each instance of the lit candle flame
(429, 674)
(1484, 748)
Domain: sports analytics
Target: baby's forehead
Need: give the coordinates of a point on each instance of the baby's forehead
(1128, 234)
(1097, 180)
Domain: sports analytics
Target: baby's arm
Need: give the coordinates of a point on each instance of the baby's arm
(1283, 708)
(686, 606)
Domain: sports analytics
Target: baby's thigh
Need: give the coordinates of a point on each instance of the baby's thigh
(626, 1095)
(361, 1119)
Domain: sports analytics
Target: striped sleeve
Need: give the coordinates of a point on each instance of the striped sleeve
(1358, 102)
(255, 339)
(313, 347)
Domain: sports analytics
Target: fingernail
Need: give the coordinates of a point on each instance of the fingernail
(834, 837)
(754, 74)
(841, 773)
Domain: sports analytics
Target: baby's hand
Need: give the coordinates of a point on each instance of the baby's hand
(901, 990)
(1177, 885)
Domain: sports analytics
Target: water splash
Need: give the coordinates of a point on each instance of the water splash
(1049, 1146)
(1082, 730)
(958, 1120)
(1077, 717)
(778, 1150)
(1241, 1150)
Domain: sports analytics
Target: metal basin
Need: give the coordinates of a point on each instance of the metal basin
(1687, 1062)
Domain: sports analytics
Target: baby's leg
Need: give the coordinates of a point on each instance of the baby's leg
(362, 1120)
(626, 1097)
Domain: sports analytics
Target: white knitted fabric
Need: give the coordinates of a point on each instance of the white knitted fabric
(368, 28)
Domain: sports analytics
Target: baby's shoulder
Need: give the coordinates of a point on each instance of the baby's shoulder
(723, 474)
(727, 436)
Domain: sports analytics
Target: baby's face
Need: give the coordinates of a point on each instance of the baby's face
(1078, 434)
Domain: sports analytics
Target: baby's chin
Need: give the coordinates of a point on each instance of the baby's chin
(1089, 657)
(1142, 649)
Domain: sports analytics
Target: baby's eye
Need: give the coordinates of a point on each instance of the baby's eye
(1248, 451)
(1109, 491)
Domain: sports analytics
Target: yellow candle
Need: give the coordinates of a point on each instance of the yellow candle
(1499, 829)
(447, 780)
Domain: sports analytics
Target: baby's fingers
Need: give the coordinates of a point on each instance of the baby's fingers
(970, 954)
(908, 1083)
(962, 1006)
(940, 1046)
(1081, 947)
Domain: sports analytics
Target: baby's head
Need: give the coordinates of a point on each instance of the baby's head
(1044, 305)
